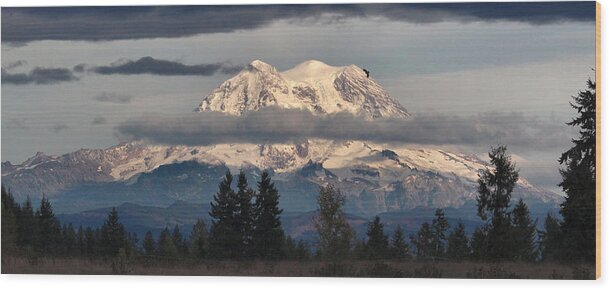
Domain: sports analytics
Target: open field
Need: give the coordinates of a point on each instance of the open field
(390, 269)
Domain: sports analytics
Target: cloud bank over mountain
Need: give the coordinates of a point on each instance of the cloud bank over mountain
(278, 125)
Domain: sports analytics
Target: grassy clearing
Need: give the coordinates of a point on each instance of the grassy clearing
(389, 269)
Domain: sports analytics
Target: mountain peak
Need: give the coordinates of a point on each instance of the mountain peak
(312, 70)
(260, 65)
(313, 65)
(312, 85)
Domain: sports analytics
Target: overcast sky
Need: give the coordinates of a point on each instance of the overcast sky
(72, 77)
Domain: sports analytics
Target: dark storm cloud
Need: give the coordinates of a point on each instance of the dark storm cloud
(274, 125)
(149, 65)
(21, 25)
(38, 75)
(114, 97)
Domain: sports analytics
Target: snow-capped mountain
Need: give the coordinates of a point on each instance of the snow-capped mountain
(375, 177)
(311, 85)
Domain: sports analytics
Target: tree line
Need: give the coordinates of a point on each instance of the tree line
(245, 225)
(38, 233)
(246, 222)
(508, 233)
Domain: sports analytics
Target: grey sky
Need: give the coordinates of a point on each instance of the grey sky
(449, 67)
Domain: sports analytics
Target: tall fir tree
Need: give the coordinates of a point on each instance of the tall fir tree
(113, 236)
(336, 235)
(479, 243)
(423, 242)
(523, 234)
(294, 250)
(439, 230)
(148, 244)
(199, 240)
(377, 244)
(399, 248)
(27, 224)
(68, 240)
(359, 250)
(457, 243)
(302, 251)
(9, 223)
(493, 200)
(167, 248)
(579, 181)
(179, 242)
(80, 237)
(48, 235)
(268, 235)
(131, 245)
(225, 238)
(91, 243)
(550, 240)
(245, 215)
(290, 248)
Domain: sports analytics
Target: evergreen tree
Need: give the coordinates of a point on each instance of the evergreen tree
(225, 238)
(9, 223)
(91, 243)
(579, 181)
(377, 244)
(8, 201)
(26, 224)
(479, 243)
(268, 235)
(68, 240)
(131, 244)
(359, 251)
(149, 244)
(290, 248)
(199, 240)
(302, 251)
(550, 240)
(166, 244)
(295, 250)
(399, 247)
(245, 214)
(439, 228)
(457, 243)
(523, 234)
(335, 233)
(48, 234)
(499, 234)
(113, 236)
(81, 242)
(423, 241)
(496, 186)
(179, 241)
(495, 189)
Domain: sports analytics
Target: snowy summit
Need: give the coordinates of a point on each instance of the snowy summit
(311, 85)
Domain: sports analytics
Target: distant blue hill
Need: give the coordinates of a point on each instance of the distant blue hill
(139, 219)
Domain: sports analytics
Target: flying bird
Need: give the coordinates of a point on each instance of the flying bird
(367, 72)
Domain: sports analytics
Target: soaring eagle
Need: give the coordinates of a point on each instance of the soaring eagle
(367, 72)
